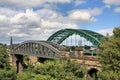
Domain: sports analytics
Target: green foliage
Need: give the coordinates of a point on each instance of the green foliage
(8, 74)
(75, 68)
(53, 70)
(116, 32)
(25, 76)
(4, 57)
(26, 63)
(87, 47)
(6, 71)
(109, 75)
(33, 76)
(61, 71)
(110, 55)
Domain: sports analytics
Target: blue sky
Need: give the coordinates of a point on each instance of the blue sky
(38, 19)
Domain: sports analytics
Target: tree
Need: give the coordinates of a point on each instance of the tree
(110, 55)
(4, 57)
(6, 71)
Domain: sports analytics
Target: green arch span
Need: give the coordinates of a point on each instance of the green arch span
(59, 36)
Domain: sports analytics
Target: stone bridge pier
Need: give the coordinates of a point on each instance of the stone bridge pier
(17, 61)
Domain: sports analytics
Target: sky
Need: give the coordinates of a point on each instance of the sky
(39, 19)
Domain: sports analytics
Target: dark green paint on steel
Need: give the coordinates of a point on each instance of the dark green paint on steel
(59, 36)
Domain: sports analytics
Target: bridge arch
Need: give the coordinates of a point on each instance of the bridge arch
(59, 36)
(38, 48)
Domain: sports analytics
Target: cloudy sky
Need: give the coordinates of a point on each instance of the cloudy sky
(38, 19)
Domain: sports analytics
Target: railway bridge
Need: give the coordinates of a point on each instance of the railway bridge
(51, 49)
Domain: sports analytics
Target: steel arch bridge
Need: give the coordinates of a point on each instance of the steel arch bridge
(59, 36)
(41, 49)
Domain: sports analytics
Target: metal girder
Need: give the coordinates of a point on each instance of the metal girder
(38, 48)
(94, 37)
(97, 35)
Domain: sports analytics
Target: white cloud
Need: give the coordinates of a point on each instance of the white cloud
(117, 10)
(108, 6)
(78, 2)
(59, 1)
(22, 3)
(58, 25)
(32, 25)
(30, 3)
(105, 31)
(85, 15)
(17, 33)
(75, 16)
(8, 11)
(27, 19)
(49, 4)
(95, 11)
(3, 19)
(116, 3)
(82, 15)
(48, 14)
(112, 2)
